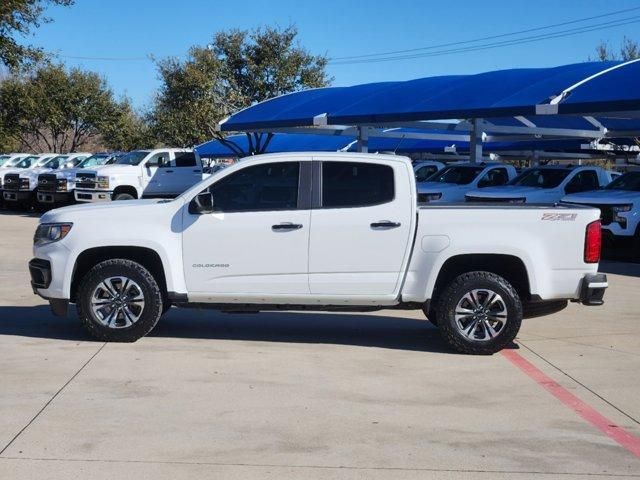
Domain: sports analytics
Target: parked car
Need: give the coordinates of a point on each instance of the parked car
(423, 169)
(20, 185)
(452, 182)
(57, 187)
(141, 173)
(547, 184)
(317, 231)
(619, 204)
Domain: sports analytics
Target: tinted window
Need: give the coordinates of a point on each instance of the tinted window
(272, 186)
(159, 160)
(629, 181)
(460, 175)
(494, 178)
(351, 184)
(583, 182)
(541, 177)
(422, 173)
(185, 159)
(132, 158)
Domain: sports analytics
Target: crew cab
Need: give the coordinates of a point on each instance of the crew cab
(423, 169)
(57, 187)
(619, 204)
(20, 185)
(547, 184)
(141, 173)
(452, 182)
(316, 231)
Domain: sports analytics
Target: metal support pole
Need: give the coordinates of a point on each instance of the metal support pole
(363, 140)
(475, 152)
(535, 159)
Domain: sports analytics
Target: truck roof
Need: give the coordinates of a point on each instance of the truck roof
(333, 155)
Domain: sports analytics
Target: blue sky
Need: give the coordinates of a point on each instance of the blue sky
(137, 28)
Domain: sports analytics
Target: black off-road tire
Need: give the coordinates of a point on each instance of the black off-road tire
(453, 293)
(151, 312)
(123, 196)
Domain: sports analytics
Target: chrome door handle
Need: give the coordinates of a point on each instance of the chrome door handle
(286, 227)
(384, 225)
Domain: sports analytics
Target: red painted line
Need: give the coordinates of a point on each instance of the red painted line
(602, 423)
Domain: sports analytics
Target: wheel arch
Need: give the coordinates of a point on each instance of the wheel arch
(126, 189)
(147, 257)
(510, 267)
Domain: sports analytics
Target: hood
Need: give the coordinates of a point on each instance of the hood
(508, 191)
(612, 197)
(110, 169)
(437, 187)
(66, 214)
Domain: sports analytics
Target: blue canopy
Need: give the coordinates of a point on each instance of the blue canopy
(280, 142)
(590, 88)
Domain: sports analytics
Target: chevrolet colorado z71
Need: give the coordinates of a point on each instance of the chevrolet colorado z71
(312, 231)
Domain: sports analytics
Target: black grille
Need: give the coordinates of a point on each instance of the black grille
(47, 183)
(12, 181)
(606, 213)
(86, 180)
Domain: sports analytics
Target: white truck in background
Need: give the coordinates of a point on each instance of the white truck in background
(545, 184)
(453, 182)
(57, 187)
(20, 185)
(423, 169)
(165, 172)
(317, 231)
(619, 205)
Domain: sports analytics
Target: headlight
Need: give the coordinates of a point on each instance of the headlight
(102, 183)
(429, 197)
(62, 185)
(51, 232)
(617, 209)
(24, 184)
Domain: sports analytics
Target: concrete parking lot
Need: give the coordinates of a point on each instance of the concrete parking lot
(289, 395)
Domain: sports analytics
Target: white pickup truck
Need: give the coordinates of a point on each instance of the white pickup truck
(165, 172)
(312, 231)
(546, 184)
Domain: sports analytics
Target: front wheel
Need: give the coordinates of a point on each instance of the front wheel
(119, 301)
(479, 313)
(123, 196)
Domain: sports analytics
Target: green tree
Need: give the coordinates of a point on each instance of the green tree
(128, 130)
(57, 110)
(17, 19)
(238, 69)
(629, 50)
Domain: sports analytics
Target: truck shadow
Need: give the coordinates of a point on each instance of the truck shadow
(314, 328)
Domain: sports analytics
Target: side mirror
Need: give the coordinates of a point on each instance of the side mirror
(202, 204)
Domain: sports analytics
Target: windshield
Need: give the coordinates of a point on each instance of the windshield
(629, 181)
(27, 162)
(3, 159)
(460, 175)
(541, 177)
(131, 158)
(93, 160)
(55, 162)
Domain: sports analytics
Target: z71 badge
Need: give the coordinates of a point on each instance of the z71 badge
(560, 217)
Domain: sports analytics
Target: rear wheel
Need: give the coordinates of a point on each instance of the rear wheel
(479, 313)
(119, 301)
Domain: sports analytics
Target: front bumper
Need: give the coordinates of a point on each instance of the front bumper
(17, 195)
(40, 271)
(55, 197)
(93, 195)
(592, 289)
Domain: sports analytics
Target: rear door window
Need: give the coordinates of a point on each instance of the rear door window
(354, 184)
(186, 159)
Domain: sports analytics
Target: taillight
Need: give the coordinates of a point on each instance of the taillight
(593, 242)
